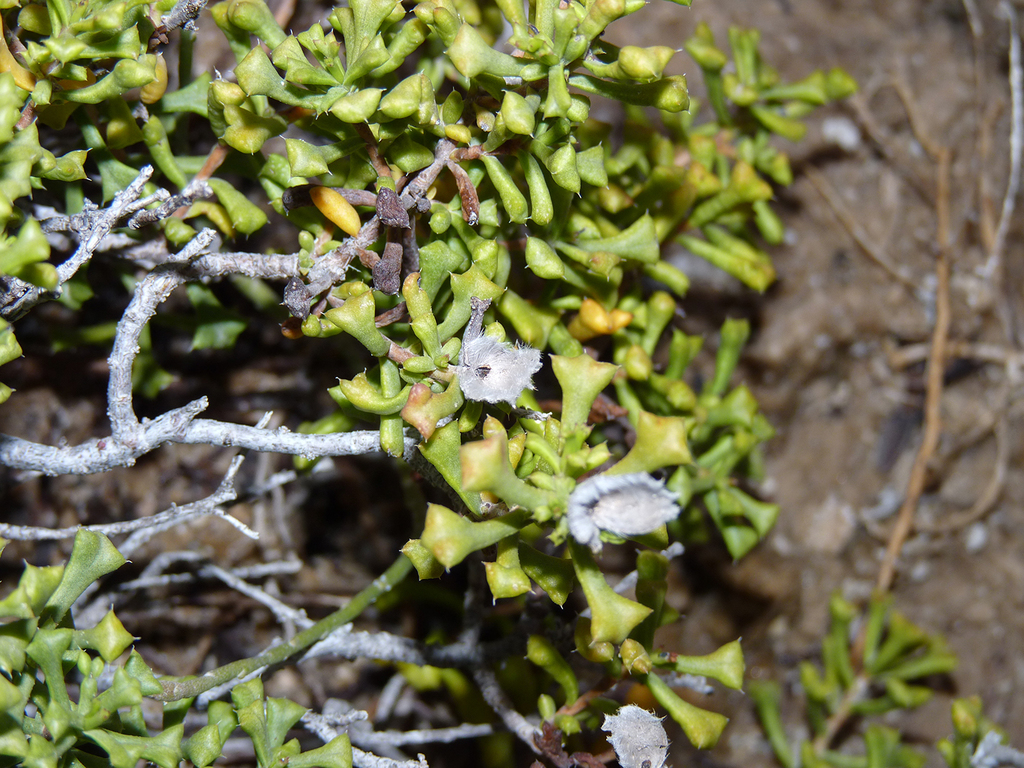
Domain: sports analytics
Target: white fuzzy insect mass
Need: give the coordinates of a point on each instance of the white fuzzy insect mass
(490, 371)
(637, 736)
(626, 505)
(494, 372)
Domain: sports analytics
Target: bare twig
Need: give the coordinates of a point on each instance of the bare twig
(233, 673)
(225, 493)
(217, 691)
(854, 229)
(124, 204)
(183, 14)
(933, 392)
(210, 506)
(19, 297)
(299, 197)
(282, 612)
(369, 739)
(153, 575)
(986, 216)
(197, 189)
(378, 162)
(330, 269)
(497, 700)
(985, 353)
(284, 12)
(900, 84)
(150, 292)
(324, 728)
(389, 696)
(249, 572)
(974, 19)
(696, 683)
(993, 265)
(856, 693)
(383, 646)
(361, 759)
(214, 160)
(180, 426)
(989, 496)
(859, 103)
(132, 438)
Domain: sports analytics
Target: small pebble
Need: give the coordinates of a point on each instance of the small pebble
(841, 131)
(976, 538)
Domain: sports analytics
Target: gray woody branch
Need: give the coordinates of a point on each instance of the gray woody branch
(325, 729)
(93, 226)
(131, 438)
(330, 268)
(147, 526)
(383, 646)
(183, 14)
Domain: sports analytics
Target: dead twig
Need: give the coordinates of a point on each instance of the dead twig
(985, 353)
(210, 506)
(131, 438)
(933, 426)
(874, 131)
(902, 87)
(854, 229)
(933, 391)
(993, 265)
(378, 163)
(327, 728)
(210, 165)
(993, 268)
(993, 490)
(986, 211)
(183, 14)
(93, 224)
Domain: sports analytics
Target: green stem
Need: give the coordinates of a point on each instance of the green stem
(176, 688)
(186, 46)
(716, 95)
(185, 49)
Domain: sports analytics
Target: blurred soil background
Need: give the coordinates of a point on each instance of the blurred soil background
(837, 360)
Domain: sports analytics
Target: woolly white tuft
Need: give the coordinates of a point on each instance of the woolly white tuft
(494, 372)
(626, 505)
(637, 736)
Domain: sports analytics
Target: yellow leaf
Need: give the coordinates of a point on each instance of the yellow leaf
(22, 77)
(336, 208)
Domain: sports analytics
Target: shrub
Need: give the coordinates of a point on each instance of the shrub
(447, 192)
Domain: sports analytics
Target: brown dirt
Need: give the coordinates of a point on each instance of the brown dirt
(822, 359)
(823, 362)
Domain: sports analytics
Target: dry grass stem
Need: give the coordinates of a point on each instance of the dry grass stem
(934, 386)
(854, 229)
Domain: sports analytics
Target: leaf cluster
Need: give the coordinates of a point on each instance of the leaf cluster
(69, 697)
(448, 188)
(872, 664)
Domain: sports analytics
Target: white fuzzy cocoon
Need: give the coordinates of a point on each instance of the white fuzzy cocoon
(493, 372)
(626, 505)
(637, 736)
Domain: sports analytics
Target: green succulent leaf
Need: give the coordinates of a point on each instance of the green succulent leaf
(92, 557)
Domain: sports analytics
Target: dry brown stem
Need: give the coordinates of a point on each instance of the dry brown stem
(854, 229)
(988, 498)
(933, 391)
